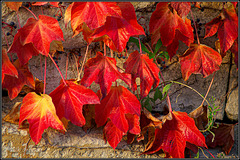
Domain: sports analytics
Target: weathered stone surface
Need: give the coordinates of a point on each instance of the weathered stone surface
(232, 105)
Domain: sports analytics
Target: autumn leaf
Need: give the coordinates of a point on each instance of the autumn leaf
(119, 29)
(174, 134)
(13, 115)
(164, 23)
(55, 4)
(139, 65)
(67, 14)
(94, 14)
(40, 113)
(7, 67)
(112, 134)
(234, 4)
(56, 46)
(38, 87)
(24, 52)
(69, 100)
(226, 24)
(119, 102)
(200, 117)
(199, 59)
(14, 5)
(224, 137)
(103, 71)
(41, 33)
(182, 8)
(24, 78)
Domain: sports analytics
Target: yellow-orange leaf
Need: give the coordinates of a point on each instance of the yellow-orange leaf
(40, 112)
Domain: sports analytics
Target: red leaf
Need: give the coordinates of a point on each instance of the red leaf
(234, 50)
(41, 33)
(182, 8)
(134, 124)
(119, 30)
(7, 67)
(226, 24)
(24, 52)
(94, 14)
(175, 133)
(40, 113)
(115, 106)
(14, 5)
(39, 3)
(165, 22)
(234, 4)
(112, 134)
(24, 78)
(139, 65)
(224, 137)
(199, 59)
(69, 100)
(67, 14)
(103, 71)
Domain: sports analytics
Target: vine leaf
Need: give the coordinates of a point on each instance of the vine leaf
(165, 23)
(25, 77)
(14, 5)
(40, 113)
(112, 134)
(120, 29)
(67, 14)
(55, 4)
(174, 134)
(41, 33)
(199, 59)
(70, 99)
(103, 71)
(24, 52)
(119, 102)
(224, 137)
(7, 67)
(226, 24)
(139, 65)
(182, 8)
(94, 14)
(200, 116)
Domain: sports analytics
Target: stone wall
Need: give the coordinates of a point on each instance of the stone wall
(75, 142)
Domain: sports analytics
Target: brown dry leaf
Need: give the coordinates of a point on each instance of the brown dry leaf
(39, 85)
(55, 46)
(13, 116)
(65, 123)
(89, 114)
(130, 138)
(14, 5)
(224, 137)
(200, 117)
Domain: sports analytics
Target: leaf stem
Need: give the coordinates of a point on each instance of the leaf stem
(83, 63)
(66, 66)
(209, 152)
(168, 99)
(140, 46)
(45, 73)
(58, 70)
(41, 66)
(208, 88)
(105, 49)
(31, 13)
(18, 20)
(195, 27)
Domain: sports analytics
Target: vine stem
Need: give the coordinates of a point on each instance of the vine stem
(66, 67)
(76, 63)
(105, 49)
(191, 89)
(195, 27)
(41, 65)
(168, 99)
(208, 88)
(45, 73)
(18, 20)
(209, 153)
(83, 63)
(140, 46)
(31, 13)
(58, 69)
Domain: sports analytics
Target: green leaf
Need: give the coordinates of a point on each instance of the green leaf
(135, 40)
(197, 156)
(151, 55)
(164, 54)
(152, 100)
(158, 45)
(166, 88)
(147, 105)
(157, 94)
